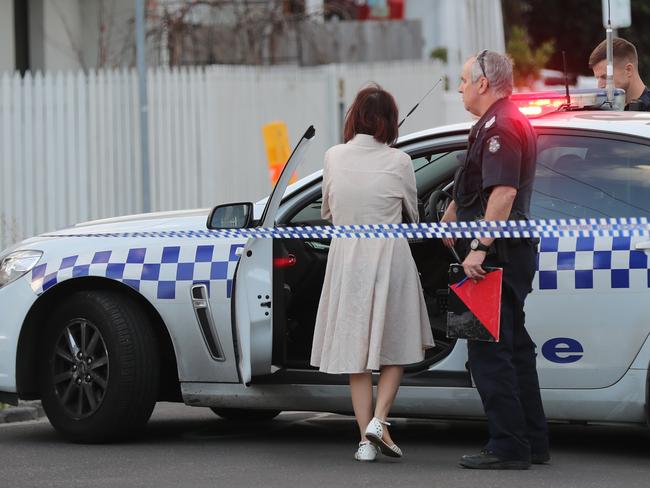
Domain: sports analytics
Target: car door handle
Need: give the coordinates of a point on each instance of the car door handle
(642, 246)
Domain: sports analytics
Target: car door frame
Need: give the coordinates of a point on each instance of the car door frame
(252, 296)
(448, 371)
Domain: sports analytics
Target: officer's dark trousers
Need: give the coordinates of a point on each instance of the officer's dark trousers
(505, 372)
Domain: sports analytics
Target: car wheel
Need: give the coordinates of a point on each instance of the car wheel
(245, 415)
(99, 368)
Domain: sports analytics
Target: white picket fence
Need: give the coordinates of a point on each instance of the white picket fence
(69, 143)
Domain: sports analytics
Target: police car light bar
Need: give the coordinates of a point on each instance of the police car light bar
(537, 104)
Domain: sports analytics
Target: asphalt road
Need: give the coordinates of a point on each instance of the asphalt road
(185, 446)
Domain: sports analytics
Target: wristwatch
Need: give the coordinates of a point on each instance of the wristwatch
(477, 245)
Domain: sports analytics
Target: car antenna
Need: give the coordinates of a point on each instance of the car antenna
(418, 104)
(566, 81)
(609, 84)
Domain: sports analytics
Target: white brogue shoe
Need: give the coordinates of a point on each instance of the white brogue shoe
(375, 434)
(366, 452)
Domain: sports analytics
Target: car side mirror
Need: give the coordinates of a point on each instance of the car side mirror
(231, 216)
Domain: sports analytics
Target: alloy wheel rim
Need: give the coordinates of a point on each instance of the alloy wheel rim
(80, 368)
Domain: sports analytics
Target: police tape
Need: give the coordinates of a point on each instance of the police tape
(602, 227)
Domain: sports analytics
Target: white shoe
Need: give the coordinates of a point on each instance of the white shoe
(375, 434)
(366, 452)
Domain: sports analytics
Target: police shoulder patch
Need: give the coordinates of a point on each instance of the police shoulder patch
(494, 144)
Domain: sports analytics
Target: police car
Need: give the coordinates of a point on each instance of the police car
(104, 319)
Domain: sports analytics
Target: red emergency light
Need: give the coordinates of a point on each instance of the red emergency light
(536, 104)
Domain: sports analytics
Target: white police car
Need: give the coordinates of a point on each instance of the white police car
(102, 320)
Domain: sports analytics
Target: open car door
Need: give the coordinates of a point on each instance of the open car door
(253, 285)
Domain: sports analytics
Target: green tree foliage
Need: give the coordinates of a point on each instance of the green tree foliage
(577, 26)
(527, 61)
(439, 53)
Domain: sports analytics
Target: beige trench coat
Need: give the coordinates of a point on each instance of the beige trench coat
(372, 311)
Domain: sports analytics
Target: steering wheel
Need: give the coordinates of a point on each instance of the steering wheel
(438, 202)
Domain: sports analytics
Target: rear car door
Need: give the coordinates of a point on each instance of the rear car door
(589, 310)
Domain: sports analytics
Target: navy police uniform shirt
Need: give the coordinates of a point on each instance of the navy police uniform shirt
(502, 151)
(641, 104)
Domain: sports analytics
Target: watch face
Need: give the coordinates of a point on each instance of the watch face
(474, 244)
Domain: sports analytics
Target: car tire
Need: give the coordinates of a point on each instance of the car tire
(246, 415)
(107, 390)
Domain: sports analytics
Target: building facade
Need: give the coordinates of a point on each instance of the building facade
(53, 35)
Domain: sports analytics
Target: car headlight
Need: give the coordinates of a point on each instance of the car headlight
(16, 264)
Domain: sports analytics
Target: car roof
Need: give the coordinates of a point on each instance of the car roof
(625, 123)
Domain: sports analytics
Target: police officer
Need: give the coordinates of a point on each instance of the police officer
(626, 72)
(496, 183)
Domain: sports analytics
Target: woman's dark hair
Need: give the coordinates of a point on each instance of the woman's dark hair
(373, 112)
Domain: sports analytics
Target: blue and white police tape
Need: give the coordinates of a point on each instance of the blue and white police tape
(602, 227)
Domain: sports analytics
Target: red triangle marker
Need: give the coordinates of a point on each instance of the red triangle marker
(483, 299)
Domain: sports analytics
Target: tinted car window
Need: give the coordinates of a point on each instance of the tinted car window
(428, 169)
(433, 169)
(583, 177)
(309, 215)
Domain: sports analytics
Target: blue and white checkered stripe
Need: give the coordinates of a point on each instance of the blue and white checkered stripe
(591, 263)
(621, 227)
(155, 271)
(574, 253)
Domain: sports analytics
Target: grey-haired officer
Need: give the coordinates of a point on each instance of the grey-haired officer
(496, 183)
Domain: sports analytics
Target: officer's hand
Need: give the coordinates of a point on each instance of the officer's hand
(449, 241)
(473, 265)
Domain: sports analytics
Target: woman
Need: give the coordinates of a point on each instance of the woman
(372, 314)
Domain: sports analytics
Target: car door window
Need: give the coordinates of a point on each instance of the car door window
(309, 215)
(587, 177)
(430, 169)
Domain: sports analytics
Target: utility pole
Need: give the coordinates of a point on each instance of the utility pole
(144, 109)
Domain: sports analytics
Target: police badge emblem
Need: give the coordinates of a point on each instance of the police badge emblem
(493, 144)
